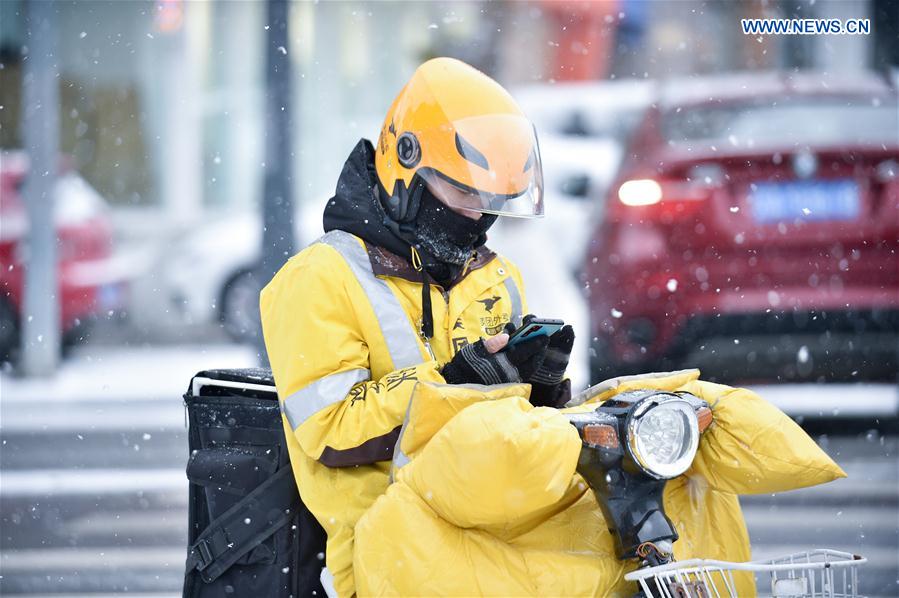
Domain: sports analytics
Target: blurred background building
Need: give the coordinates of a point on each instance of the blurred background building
(162, 100)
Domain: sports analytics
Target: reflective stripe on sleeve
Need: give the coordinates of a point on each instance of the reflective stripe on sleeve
(400, 336)
(515, 295)
(322, 393)
(399, 460)
(399, 457)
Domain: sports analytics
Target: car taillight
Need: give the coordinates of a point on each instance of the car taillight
(664, 201)
(647, 192)
(640, 192)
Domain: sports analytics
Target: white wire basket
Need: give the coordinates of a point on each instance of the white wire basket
(821, 573)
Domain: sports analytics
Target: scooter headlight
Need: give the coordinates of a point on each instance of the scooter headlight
(663, 435)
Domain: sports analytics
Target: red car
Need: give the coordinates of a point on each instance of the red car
(753, 232)
(91, 277)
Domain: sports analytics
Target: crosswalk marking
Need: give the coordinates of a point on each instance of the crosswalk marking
(868, 399)
(57, 482)
(878, 558)
(129, 524)
(85, 416)
(815, 517)
(84, 558)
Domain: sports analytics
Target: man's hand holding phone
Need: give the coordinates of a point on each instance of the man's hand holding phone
(537, 352)
(493, 361)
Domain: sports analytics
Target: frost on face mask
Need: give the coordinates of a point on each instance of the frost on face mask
(448, 236)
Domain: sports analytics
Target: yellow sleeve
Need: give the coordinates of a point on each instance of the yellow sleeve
(495, 462)
(753, 448)
(320, 360)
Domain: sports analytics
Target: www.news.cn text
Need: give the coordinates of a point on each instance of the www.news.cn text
(806, 26)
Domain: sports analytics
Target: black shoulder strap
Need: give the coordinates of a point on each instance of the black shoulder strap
(245, 525)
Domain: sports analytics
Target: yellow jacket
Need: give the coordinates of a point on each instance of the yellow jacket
(340, 321)
(489, 502)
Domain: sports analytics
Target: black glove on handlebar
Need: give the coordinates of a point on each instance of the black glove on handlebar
(474, 364)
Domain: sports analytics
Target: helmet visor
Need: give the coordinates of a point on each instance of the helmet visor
(489, 164)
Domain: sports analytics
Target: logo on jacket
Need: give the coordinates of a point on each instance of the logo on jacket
(458, 324)
(493, 325)
(489, 303)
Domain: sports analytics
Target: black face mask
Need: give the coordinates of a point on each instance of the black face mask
(447, 235)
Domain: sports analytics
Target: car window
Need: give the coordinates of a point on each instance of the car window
(779, 122)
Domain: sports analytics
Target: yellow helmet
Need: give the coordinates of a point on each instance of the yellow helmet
(452, 124)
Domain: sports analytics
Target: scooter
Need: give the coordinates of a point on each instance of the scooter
(631, 446)
(251, 534)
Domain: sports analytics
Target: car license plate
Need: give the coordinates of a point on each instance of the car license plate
(805, 200)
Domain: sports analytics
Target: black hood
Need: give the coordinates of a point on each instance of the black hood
(356, 208)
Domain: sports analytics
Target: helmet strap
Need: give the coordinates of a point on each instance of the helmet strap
(427, 314)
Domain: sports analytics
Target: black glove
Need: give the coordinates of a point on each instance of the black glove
(474, 364)
(547, 387)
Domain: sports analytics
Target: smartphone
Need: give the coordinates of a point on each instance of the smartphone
(536, 327)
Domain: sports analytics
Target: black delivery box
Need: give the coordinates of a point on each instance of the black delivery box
(249, 533)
